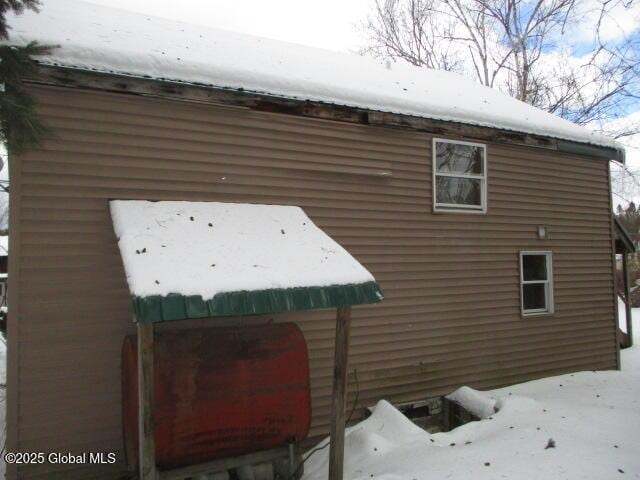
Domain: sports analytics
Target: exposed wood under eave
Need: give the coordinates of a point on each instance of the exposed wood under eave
(93, 80)
(624, 242)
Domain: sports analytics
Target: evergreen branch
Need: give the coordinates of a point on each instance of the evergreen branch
(20, 123)
(17, 7)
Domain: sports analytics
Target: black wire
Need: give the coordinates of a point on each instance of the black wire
(317, 449)
(304, 460)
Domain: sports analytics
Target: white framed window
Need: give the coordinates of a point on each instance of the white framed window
(536, 282)
(459, 176)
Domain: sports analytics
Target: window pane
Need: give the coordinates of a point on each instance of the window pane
(456, 158)
(533, 296)
(534, 267)
(458, 191)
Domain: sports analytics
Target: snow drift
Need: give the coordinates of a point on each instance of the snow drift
(575, 426)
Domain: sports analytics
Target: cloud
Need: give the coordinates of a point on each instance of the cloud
(630, 142)
(621, 22)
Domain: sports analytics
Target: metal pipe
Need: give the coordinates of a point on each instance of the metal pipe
(292, 458)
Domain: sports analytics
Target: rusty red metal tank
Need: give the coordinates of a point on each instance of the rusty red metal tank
(220, 392)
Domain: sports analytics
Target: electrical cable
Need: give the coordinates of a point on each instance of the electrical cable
(317, 449)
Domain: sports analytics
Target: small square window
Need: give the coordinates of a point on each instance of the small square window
(459, 176)
(536, 283)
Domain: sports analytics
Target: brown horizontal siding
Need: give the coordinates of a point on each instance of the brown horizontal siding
(451, 315)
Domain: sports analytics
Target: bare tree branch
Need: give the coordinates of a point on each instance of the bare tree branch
(518, 47)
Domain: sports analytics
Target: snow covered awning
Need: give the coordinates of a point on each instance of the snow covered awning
(202, 259)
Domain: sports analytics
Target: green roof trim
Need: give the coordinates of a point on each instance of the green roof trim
(174, 306)
(609, 153)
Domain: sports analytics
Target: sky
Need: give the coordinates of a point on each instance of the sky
(332, 24)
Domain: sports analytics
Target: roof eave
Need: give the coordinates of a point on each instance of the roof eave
(121, 83)
(623, 235)
(610, 153)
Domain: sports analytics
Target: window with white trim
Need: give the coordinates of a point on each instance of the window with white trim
(536, 283)
(459, 176)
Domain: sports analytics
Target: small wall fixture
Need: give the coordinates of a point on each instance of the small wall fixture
(542, 231)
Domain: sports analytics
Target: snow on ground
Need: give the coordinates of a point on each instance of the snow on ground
(577, 426)
(206, 248)
(622, 316)
(104, 39)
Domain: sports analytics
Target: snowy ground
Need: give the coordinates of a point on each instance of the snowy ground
(622, 316)
(577, 426)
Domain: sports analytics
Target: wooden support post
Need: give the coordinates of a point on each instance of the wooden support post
(336, 452)
(627, 297)
(146, 441)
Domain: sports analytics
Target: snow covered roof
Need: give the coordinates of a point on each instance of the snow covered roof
(199, 259)
(105, 39)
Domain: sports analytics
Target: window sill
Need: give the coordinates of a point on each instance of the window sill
(442, 210)
(537, 314)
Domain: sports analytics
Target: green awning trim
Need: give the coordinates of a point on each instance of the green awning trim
(177, 307)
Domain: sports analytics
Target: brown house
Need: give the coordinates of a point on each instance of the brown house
(486, 222)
